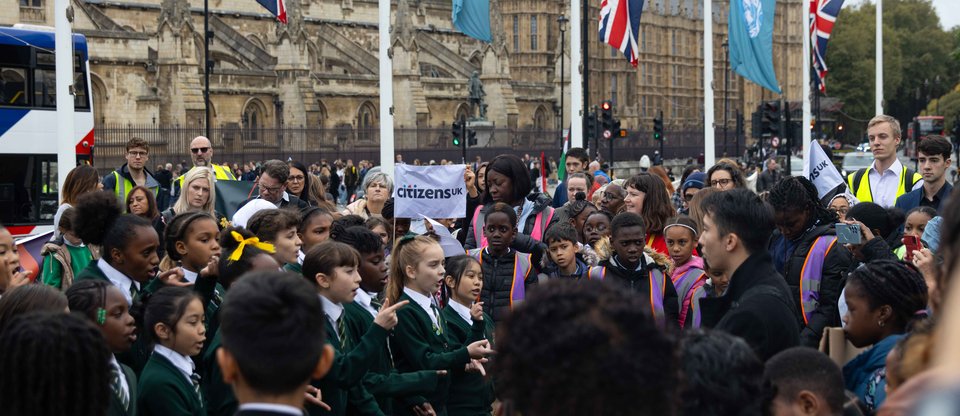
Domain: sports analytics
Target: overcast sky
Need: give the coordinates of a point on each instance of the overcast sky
(947, 19)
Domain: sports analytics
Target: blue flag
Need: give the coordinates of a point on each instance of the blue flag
(472, 17)
(751, 41)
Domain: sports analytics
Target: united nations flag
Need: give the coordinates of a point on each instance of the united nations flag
(751, 41)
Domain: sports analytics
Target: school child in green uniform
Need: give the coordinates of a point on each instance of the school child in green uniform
(273, 343)
(242, 253)
(169, 383)
(332, 269)
(278, 227)
(104, 305)
(192, 243)
(128, 256)
(382, 381)
(470, 393)
(419, 343)
(66, 256)
(314, 229)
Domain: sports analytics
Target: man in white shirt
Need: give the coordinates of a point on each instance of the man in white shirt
(887, 178)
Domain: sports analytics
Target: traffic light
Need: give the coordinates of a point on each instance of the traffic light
(471, 138)
(591, 125)
(457, 132)
(606, 116)
(770, 119)
(615, 129)
(658, 127)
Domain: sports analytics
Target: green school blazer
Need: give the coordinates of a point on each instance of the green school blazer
(293, 268)
(382, 380)
(165, 391)
(416, 346)
(470, 394)
(348, 367)
(116, 408)
(219, 397)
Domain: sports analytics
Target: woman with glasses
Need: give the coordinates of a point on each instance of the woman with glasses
(300, 185)
(725, 177)
(691, 185)
(840, 204)
(377, 188)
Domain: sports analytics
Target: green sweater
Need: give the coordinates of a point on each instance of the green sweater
(348, 366)
(382, 380)
(116, 407)
(470, 394)
(165, 391)
(53, 267)
(416, 346)
(219, 397)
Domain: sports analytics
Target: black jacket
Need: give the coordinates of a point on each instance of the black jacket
(498, 282)
(292, 203)
(767, 179)
(757, 307)
(837, 264)
(638, 281)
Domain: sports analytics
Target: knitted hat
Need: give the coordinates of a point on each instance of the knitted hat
(695, 180)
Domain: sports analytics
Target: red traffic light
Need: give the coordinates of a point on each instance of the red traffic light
(605, 106)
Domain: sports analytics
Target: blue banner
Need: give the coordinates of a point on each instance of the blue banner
(472, 17)
(751, 41)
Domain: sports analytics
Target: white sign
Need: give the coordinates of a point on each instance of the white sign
(607, 134)
(821, 170)
(432, 191)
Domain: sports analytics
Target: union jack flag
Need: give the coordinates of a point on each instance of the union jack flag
(823, 14)
(620, 26)
(276, 8)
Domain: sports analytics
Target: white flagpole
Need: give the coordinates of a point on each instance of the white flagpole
(576, 78)
(878, 58)
(805, 127)
(708, 129)
(63, 43)
(386, 91)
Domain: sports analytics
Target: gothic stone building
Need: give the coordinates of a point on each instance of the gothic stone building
(319, 71)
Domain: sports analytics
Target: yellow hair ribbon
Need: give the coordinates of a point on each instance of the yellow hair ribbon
(253, 241)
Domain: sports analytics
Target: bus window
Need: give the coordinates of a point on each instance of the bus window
(48, 189)
(45, 88)
(13, 86)
(80, 100)
(17, 197)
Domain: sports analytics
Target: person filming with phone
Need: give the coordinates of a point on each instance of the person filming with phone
(805, 251)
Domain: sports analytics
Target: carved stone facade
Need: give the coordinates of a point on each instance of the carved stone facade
(320, 70)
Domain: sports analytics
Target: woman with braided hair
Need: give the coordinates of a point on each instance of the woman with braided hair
(53, 364)
(804, 251)
(883, 299)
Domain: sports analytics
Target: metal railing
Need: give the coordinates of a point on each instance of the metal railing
(233, 144)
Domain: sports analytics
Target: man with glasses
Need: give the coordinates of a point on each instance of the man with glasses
(612, 200)
(273, 186)
(201, 152)
(133, 173)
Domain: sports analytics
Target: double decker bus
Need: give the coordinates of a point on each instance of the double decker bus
(919, 128)
(28, 125)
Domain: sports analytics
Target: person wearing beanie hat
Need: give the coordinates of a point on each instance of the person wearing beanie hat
(644, 163)
(693, 184)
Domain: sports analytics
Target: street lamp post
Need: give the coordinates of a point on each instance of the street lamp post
(562, 21)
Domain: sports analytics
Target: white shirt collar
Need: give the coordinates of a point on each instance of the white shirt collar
(333, 310)
(363, 299)
(423, 301)
(271, 407)
(118, 279)
(182, 362)
(462, 310)
(189, 276)
(896, 167)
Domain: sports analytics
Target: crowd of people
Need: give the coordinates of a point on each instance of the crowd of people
(614, 296)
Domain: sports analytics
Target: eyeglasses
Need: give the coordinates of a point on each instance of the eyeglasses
(137, 154)
(843, 210)
(199, 150)
(609, 195)
(264, 188)
(688, 197)
(721, 182)
(298, 178)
